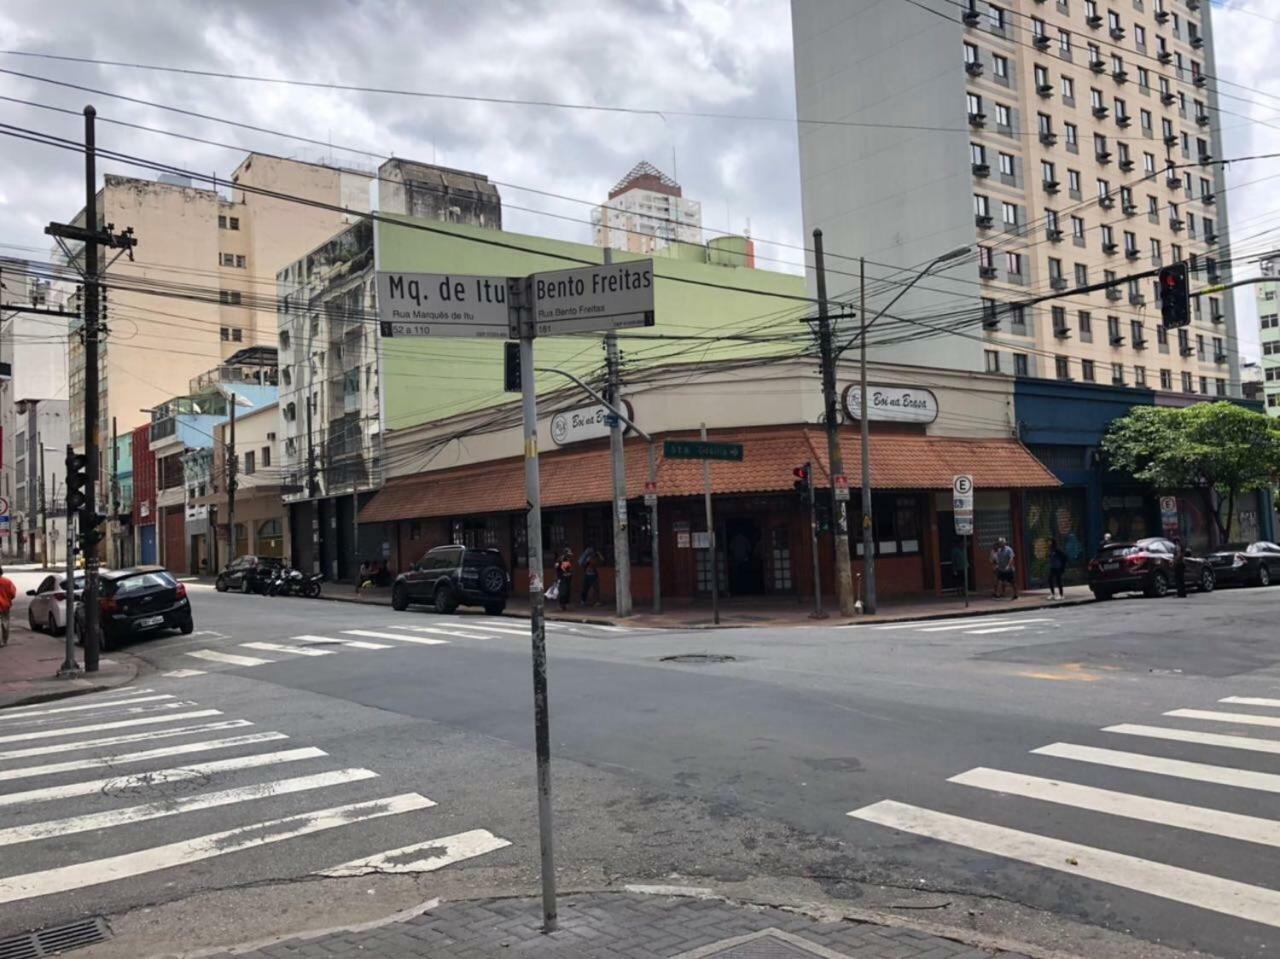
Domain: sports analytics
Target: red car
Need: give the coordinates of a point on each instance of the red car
(1145, 566)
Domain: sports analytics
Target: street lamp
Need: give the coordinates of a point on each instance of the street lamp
(868, 537)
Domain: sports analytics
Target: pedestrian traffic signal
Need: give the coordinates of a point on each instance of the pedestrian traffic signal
(511, 368)
(1175, 298)
(76, 476)
(803, 483)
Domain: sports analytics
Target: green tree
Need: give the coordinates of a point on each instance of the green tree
(1219, 449)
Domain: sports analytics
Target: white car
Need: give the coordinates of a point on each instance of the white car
(48, 606)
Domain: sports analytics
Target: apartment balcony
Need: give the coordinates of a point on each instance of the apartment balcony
(1054, 236)
(1124, 121)
(1202, 119)
(981, 169)
(1176, 224)
(1168, 99)
(1218, 318)
(1051, 186)
(1117, 339)
(1187, 351)
(1211, 238)
(1125, 165)
(1098, 66)
(1117, 33)
(971, 17)
(1058, 282)
(983, 221)
(1137, 299)
(1219, 358)
(1199, 80)
(1120, 76)
(1140, 344)
(1094, 22)
(1162, 16)
(977, 120)
(1109, 248)
(1048, 139)
(1040, 41)
(1045, 91)
(988, 272)
(1131, 254)
(1114, 294)
(973, 68)
(1208, 199)
(1107, 202)
(1130, 209)
(1100, 112)
(1171, 140)
(1197, 42)
(1165, 57)
(1103, 157)
(1174, 182)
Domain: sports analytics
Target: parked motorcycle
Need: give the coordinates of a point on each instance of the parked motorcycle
(294, 582)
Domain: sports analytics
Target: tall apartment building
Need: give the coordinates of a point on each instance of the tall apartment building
(215, 253)
(645, 212)
(1066, 142)
(1269, 321)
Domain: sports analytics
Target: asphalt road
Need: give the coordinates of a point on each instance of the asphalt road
(1026, 768)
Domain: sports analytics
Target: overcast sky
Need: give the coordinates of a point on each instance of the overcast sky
(723, 56)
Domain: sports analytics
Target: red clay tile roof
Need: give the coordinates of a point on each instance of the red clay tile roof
(574, 477)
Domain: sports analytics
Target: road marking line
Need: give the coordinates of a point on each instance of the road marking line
(117, 724)
(1188, 736)
(353, 643)
(96, 872)
(1202, 772)
(982, 625)
(420, 640)
(444, 851)
(174, 807)
(120, 783)
(993, 629)
(295, 650)
(183, 673)
(98, 762)
(1251, 701)
(1244, 719)
(436, 630)
(7, 716)
(121, 740)
(963, 623)
(231, 659)
(144, 710)
(1179, 815)
(1201, 890)
(493, 628)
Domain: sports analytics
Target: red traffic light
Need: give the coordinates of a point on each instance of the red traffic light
(801, 473)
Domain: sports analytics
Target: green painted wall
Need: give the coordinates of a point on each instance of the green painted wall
(428, 379)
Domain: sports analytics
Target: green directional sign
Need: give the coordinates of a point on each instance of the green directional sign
(699, 450)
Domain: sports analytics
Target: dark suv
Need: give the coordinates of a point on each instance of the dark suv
(1144, 566)
(451, 576)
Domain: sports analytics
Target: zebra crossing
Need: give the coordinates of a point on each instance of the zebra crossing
(1217, 761)
(441, 632)
(966, 626)
(59, 782)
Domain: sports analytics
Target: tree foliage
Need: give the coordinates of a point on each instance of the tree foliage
(1220, 449)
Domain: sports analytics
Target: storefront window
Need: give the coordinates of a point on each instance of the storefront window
(640, 535)
(896, 524)
(476, 533)
(597, 531)
(519, 541)
(554, 537)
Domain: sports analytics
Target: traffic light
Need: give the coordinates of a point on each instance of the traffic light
(1175, 298)
(804, 482)
(511, 368)
(90, 534)
(76, 476)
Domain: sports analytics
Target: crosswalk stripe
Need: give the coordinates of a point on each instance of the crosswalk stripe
(1202, 772)
(102, 727)
(398, 637)
(147, 709)
(174, 807)
(1243, 719)
(95, 872)
(121, 759)
(47, 749)
(1203, 891)
(995, 629)
(1190, 736)
(603, 628)
(89, 787)
(295, 650)
(964, 623)
(183, 673)
(443, 852)
(230, 659)
(437, 631)
(9, 717)
(1251, 701)
(1214, 822)
(503, 628)
(353, 643)
(983, 624)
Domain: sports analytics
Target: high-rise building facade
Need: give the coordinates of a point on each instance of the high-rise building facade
(1268, 295)
(645, 212)
(1070, 144)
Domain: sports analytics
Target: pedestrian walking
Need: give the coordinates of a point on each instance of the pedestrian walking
(1002, 557)
(7, 592)
(1180, 567)
(1057, 567)
(590, 563)
(564, 579)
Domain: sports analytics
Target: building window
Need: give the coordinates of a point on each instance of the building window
(1004, 118)
(249, 467)
(1113, 328)
(265, 456)
(1018, 318)
(1135, 333)
(1086, 371)
(222, 222)
(1059, 314)
(1077, 227)
(230, 297)
(237, 334)
(1006, 165)
(977, 154)
(1117, 374)
(240, 261)
(233, 223)
(1140, 376)
(1073, 135)
(975, 104)
(1085, 321)
(1068, 88)
(1013, 263)
(1186, 383)
(1009, 213)
(993, 361)
(971, 53)
(1220, 386)
(1064, 42)
(1204, 386)
(981, 205)
(1082, 275)
(1000, 66)
(1166, 379)
(1073, 181)
(226, 333)
(1020, 364)
(227, 259)
(998, 17)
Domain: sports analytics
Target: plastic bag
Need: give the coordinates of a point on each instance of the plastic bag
(554, 591)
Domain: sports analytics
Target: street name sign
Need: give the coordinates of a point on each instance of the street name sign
(701, 450)
(962, 503)
(443, 304)
(612, 296)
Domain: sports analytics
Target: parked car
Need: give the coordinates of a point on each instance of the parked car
(48, 606)
(451, 576)
(248, 574)
(1145, 566)
(138, 601)
(1257, 564)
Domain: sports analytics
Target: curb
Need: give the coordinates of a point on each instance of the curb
(53, 695)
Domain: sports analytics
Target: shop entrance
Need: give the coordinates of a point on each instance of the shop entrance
(951, 555)
(744, 555)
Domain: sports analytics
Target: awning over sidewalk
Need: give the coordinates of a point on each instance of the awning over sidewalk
(580, 477)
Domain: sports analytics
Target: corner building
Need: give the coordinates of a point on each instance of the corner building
(1068, 143)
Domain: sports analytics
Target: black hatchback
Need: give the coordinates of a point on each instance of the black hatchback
(451, 576)
(138, 601)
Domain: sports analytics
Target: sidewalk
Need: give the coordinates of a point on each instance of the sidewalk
(622, 926)
(696, 614)
(29, 666)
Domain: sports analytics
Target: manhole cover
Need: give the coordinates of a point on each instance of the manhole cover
(162, 784)
(55, 940)
(699, 658)
(768, 944)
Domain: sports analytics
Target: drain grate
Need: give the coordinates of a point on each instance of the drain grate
(767, 944)
(699, 658)
(55, 940)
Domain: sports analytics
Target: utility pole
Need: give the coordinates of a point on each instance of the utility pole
(44, 510)
(70, 667)
(115, 497)
(831, 419)
(653, 528)
(712, 558)
(868, 538)
(232, 464)
(621, 544)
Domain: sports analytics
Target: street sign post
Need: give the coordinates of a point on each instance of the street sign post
(840, 483)
(612, 296)
(443, 304)
(5, 529)
(701, 450)
(962, 505)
